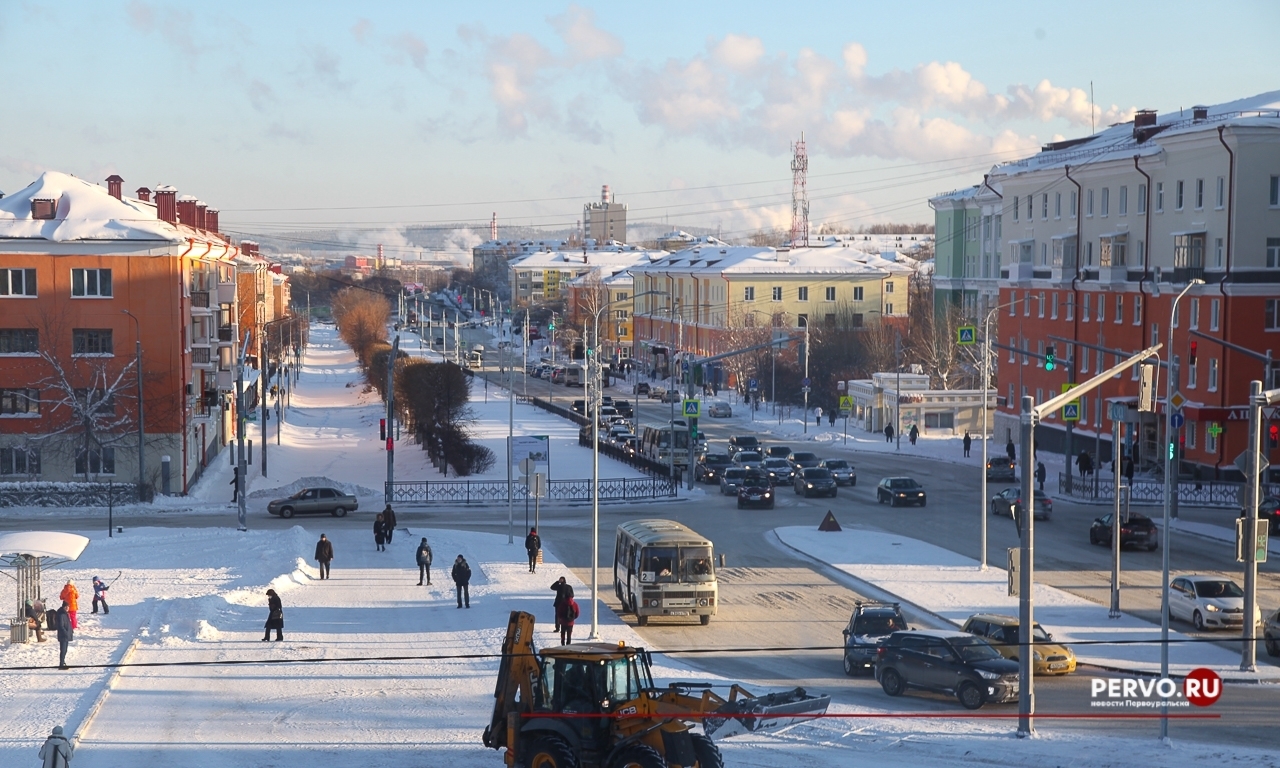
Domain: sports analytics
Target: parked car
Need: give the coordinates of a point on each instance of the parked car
(743, 443)
(748, 459)
(640, 388)
(719, 410)
(1139, 531)
(756, 490)
(946, 661)
(1271, 633)
(672, 396)
(710, 466)
(731, 480)
(841, 470)
(778, 451)
(900, 490)
(1009, 501)
(779, 471)
(1208, 602)
(803, 460)
(1001, 468)
(314, 501)
(869, 625)
(1049, 658)
(815, 481)
(558, 375)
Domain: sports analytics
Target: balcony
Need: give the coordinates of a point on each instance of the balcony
(202, 357)
(227, 293)
(226, 380)
(226, 336)
(200, 304)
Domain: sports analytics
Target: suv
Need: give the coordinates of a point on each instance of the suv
(1002, 632)
(778, 451)
(869, 625)
(803, 460)
(743, 443)
(641, 388)
(946, 661)
(1001, 468)
(710, 466)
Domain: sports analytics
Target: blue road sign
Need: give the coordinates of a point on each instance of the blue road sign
(684, 367)
(805, 382)
(692, 408)
(1071, 412)
(1177, 420)
(751, 384)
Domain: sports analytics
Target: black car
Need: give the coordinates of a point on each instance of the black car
(710, 466)
(946, 661)
(1269, 510)
(641, 388)
(743, 443)
(868, 627)
(579, 406)
(900, 490)
(779, 470)
(841, 470)
(1009, 501)
(778, 452)
(1001, 468)
(1139, 531)
(815, 481)
(756, 490)
(803, 460)
(624, 407)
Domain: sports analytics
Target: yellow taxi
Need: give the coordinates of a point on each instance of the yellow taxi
(1002, 632)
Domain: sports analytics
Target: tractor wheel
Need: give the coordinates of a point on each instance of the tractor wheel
(642, 621)
(551, 752)
(638, 756)
(706, 751)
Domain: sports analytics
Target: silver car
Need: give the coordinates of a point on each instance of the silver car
(719, 410)
(731, 480)
(311, 501)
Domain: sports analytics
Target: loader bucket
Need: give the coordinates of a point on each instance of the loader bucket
(759, 714)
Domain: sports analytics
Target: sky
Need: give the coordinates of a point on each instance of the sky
(372, 116)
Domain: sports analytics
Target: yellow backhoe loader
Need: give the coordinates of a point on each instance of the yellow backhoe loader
(594, 705)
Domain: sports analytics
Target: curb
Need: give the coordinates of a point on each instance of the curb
(110, 684)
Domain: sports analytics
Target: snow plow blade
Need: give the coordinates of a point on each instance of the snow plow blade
(759, 714)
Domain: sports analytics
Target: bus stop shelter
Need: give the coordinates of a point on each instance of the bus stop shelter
(28, 553)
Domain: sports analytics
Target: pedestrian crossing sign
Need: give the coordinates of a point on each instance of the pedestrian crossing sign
(846, 403)
(966, 335)
(1071, 411)
(693, 408)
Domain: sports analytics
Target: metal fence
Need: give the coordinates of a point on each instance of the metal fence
(46, 494)
(1195, 493)
(493, 491)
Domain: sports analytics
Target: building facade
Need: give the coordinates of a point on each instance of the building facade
(605, 220)
(545, 276)
(968, 227)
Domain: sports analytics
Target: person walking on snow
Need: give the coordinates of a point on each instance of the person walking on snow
(817, 417)
(424, 562)
(100, 595)
(831, 418)
(275, 617)
(235, 484)
(888, 433)
(915, 433)
(66, 633)
(57, 750)
(71, 596)
(1011, 451)
(561, 588)
(389, 520)
(567, 614)
(380, 533)
(462, 580)
(968, 443)
(324, 554)
(532, 545)
(1040, 474)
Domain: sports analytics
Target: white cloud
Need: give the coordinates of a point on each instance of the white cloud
(738, 53)
(411, 46)
(583, 39)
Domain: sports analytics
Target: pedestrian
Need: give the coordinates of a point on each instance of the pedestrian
(888, 433)
(235, 484)
(66, 633)
(915, 433)
(57, 750)
(380, 533)
(1011, 451)
(35, 620)
(275, 617)
(817, 416)
(561, 588)
(1088, 463)
(100, 595)
(831, 418)
(389, 520)
(462, 580)
(968, 443)
(566, 615)
(324, 555)
(424, 561)
(1082, 462)
(1040, 474)
(71, 596)
(1126, 468)
(533, 545)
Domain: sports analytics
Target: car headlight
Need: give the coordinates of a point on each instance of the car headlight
(1211, 607)
(989, 675)
(1036, 655)
(767, 494)
(808, 485)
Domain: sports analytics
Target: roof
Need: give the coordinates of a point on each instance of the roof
(579, 260)
(827, 257)
(659, 531)
(63, 546)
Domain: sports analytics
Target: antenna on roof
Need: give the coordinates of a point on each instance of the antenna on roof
(1092, 109)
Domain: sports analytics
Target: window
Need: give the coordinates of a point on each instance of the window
(1039, 359)
(802, 293)
(1217, 252)
(1044, 254)
(888, 287)
(999, 226)
(1195, 314)
(1088, 254)
(19, 402)
(1111, 250)
(1075, 201)
(831, 293)
(1106, 201)
(1084, 308)
(1177, 317)
(1213, 314)
(620, 314)
(91, 341)
(1026, 304)
(1191, 376)
(1102, 307)
(940, 420)
(1210, 440)
(1155, 334)
(1222, 192)
(1275, 191)
(1273, 252)
(1044, 205)
(1057, 205)
(1188, 251)
(1040, 304)
(1071, 306)
(1012, 342)
(19, 461)
(17, 282)
(1084, 366)
(1015, 199)
(802, 321)
(1142, 199)
(857, 293)
(99, 460)
(1213, 374)
(1191, 433)
(87, 283)
(1026, 353)
(1137, 309)
(1199, 194)
(1088, 202)
(888, 309)
(1159, 197)
(1029, 204)
(1270, 318)
(1119, 309)
(1124, 201)
(1009, 401)
(1053, 306)
(19, 341)
(1179, 192)
(1013, 303)
(94, 403)
(749, 293)
(830, 320)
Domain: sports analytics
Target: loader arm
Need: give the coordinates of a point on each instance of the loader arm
(742, 712)
(519, 678)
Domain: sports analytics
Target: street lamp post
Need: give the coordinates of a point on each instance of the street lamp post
(986, 387)
(137, 363)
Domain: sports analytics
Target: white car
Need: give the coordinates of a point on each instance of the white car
(1208, 602)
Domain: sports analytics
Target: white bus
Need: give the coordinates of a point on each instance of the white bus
(655, 442)
(575, 376)
(663, 568)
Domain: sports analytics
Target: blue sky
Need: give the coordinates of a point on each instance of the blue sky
(375, 114)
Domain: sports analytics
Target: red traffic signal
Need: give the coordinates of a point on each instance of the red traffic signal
(1273, 435)
(1194, 346)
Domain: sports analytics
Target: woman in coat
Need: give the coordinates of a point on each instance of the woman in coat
(275, 617)
(380, 533)
(71, 596)
(566, 614)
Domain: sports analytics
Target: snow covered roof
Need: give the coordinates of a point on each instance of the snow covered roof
(63, 546)
(84, 212)
(828, 258)
(577, 260)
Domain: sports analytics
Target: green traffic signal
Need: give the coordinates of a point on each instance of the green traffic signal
(1050, 358)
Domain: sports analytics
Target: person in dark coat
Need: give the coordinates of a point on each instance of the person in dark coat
(561, 588)
(1011, 451)
(968, 443)
(462, 580)
(566, 615)
(100, 595)
(389, 520)
(380, 533)
(423, 557)
(35, 620)
(831, 418)
(888, 433)
(235, 484)
(1040, 474)
(62, 623)
(532, 545)
(324, 554)
(913, 434)
(275, 617)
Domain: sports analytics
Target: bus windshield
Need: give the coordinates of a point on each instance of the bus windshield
(661, 563)
(695, 564)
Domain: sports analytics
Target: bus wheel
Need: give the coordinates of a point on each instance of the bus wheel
(705, 619)
(642, 620)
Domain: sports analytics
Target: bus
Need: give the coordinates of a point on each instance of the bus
(575, 376)
(664, 568)
(654, 442)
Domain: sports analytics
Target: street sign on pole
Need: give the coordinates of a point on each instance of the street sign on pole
(966, 335)
(752, 385)
(1176, 419)
(538, 485)
(527, 466)
(846, 403)
(1071, 411)
(1177, 400)
(692, 408)
(804, 382)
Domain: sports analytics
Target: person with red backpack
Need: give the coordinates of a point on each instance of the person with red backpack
(566, 614)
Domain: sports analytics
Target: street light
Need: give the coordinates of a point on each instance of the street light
(1170, 484)
(137, 351)
(986, 386)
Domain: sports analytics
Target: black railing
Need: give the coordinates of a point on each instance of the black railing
(491, 491)
(200, 299)
(1192, 492)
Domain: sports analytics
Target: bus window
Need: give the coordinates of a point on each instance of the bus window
(695, 564)
(661, 562)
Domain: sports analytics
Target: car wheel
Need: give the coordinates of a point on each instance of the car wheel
(849, 669)
(771, 505)
(879, 497)
(853, 482)
(739, 505)
(339, 511)
(1197, 621)
(924, 502)
(834, 492)
(1273, 648)
(970, 696)
(993, 509)
(286, 512)
(892, 682)
(1153, 546)
(893, 502)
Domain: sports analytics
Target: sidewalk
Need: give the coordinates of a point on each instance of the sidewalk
(949, 586)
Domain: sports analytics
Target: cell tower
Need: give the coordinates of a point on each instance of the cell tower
(799, 194)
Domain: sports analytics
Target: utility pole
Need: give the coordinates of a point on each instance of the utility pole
(263, 366)
(897, 405)
(1117, 410)
(242, 464)
(1249, 532)
(804, 414)
(391, 415)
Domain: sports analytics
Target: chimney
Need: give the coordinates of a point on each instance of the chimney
(43, 208)
(1200, 113)
(202, 215)
(604, 194)
(493, 226)
(144, 194)
(1145, 118)
(211, 219)
(114, 185)
(187, 210)
(166, 203)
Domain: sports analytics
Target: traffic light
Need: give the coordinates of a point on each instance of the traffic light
(1191, 358)
(382, 429)
(578, 351)
(1273, 436)
(1050, 358)
(693, 429)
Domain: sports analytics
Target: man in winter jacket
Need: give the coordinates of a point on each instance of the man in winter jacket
(62, 623)
(424, 562)
(462, 580)
(100, 595)
(565, 617)
(324, 554)
(35, 620)
(533, 543)
(71, 596)
(57, 750)
(389, 520)
(563, 591)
